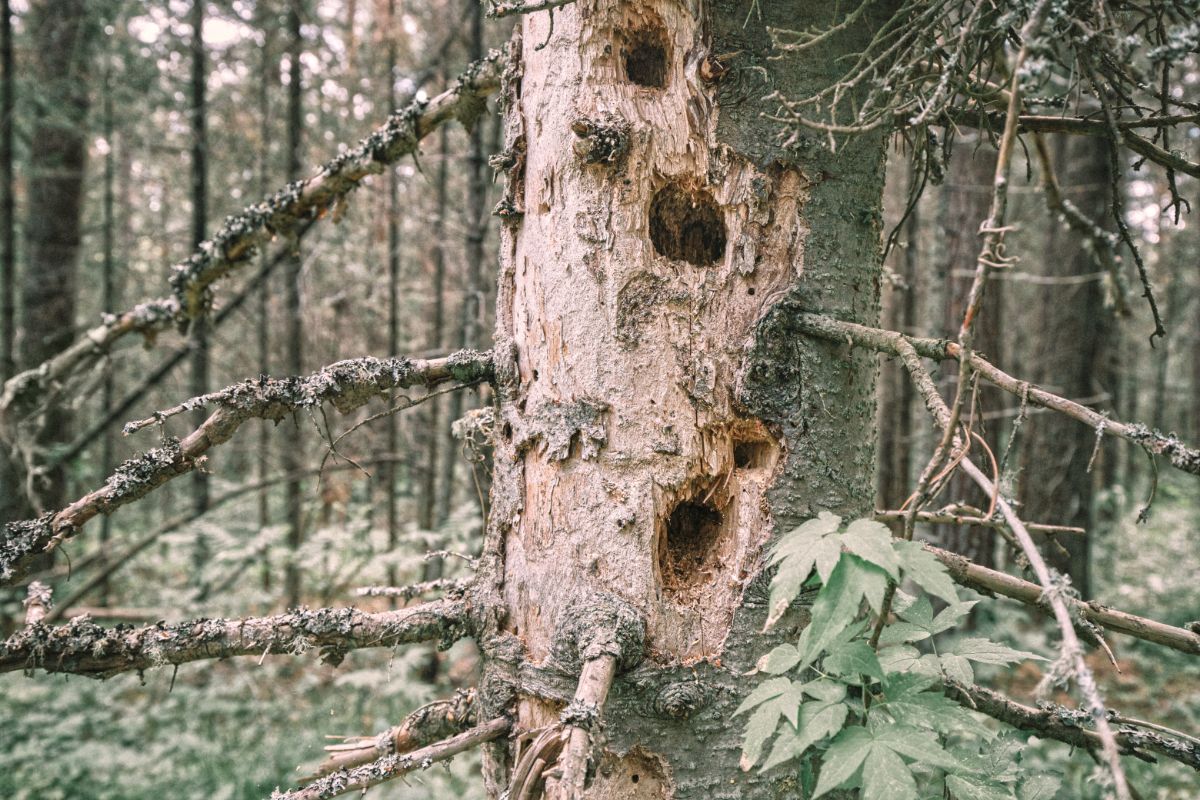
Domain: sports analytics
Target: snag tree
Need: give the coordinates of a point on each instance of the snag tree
(684, 369)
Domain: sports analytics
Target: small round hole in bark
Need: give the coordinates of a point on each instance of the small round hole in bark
(634, 778)
(686, 225)
(751, 291)
(688, 548)
(647, 56)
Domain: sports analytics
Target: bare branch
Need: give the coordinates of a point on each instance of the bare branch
(346, 385)
(508, 8)
(287, 213)
(85, 648)
(990, 581)
(1069, 726)
(393, 766)
(428, 724)
(1181, 456)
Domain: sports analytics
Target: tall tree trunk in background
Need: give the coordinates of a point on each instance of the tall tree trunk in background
(108, 299)
(434, 327)
(8, 197)
(476, 228)
(293, 453)
(1056, 481)
(896, 395)
(9, 474)
(966, 199)
(62, 32)
(391, 500)
(268, 76)
(662, 419)
(200, 327)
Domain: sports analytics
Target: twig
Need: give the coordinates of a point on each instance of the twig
(347, 385)
(507, 8)
(84, 648)
(428, 724)
(393, 766)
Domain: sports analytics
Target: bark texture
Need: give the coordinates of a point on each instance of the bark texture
(662, 418)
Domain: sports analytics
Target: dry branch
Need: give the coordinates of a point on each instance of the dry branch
(346, 385)
(393, 766)
(990, 581)
(85, 648)
(1066, 725)
(1179, 454)
(235, 244)
(428, 724)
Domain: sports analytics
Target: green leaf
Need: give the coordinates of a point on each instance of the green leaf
(872, 542)
(909, 703)
(902, 633)
(887, 777)
(974, 787)
(898, 659)
(817, 720)
(958, 668)
(924, 569)
(950, 616)
(919, 613)
(915, 743)
(767, 690)
(1040, 787)
(797, 552)
(853, 659)
(843, 758)
(780, 660)
(825, 689)
(762, 724)
(986, 651)
(835, 608)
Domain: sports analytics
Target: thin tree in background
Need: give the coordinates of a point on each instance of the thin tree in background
(393, 261)
(8, 217)
(268, 76)
(200, 328)
(293, 453)
(8, 245)
(109, 298)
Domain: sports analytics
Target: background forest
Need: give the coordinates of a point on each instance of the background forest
(132, 127)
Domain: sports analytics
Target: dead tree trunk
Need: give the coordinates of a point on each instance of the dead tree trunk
(662, 418)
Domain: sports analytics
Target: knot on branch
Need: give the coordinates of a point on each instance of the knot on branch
(680, 700)
(580, 714)
(599, 624)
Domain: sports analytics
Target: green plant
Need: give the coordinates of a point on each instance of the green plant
(876, 717)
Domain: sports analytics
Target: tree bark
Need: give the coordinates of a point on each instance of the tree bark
(293, 453)
(661, 419)
(200, 327)
(63, 32)
(966, 199)
(1056, 478)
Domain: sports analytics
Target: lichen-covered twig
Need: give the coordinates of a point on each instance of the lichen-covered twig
(283, 214)
(1180, 455)
(508, 8)
(579, 718)
(85, 648)
(449, 585)
(346, 385)
(990, 581)
(428, 724)
(358, 779)
(1070, 726)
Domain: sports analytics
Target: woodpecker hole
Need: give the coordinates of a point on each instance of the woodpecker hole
(689, 547)
(686, 225)
(751, 455)
(646, 55)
